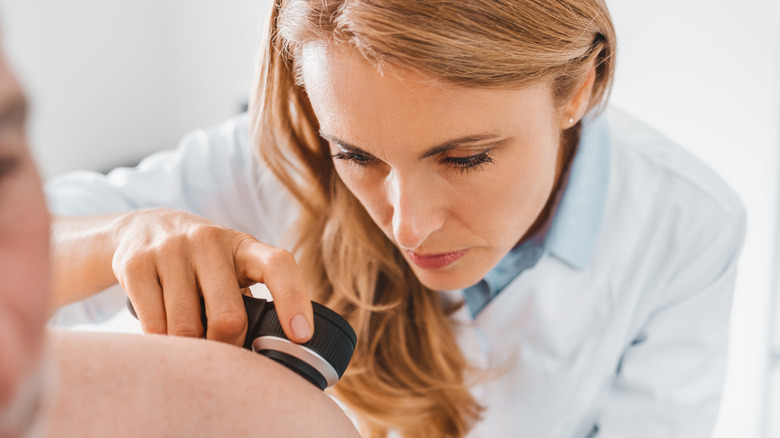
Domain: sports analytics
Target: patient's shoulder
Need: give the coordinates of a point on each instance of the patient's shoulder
(133, 385)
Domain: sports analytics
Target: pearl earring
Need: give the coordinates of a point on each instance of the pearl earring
(571, 121)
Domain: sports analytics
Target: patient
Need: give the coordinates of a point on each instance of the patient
(86, 384)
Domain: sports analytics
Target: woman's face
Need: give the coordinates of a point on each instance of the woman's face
(24, 248)
(454, 176)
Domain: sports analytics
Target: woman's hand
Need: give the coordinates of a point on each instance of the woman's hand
(166, 259)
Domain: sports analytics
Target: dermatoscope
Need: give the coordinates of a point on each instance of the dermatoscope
(322, 360)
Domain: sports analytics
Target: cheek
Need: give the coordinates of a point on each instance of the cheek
(533, 180)
(367, 186)
(504, 203)
(534, 171)
(24, 279)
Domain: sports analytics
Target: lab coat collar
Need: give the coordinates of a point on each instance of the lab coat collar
(577, 221)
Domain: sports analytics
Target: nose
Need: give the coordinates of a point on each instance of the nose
(417, 210)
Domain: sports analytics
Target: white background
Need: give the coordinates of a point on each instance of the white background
(112, 81)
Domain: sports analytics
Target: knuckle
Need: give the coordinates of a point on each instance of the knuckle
(135, 263)
(186, 329)
(132, 266)
(207, 233)
(171, 245)
(154, 327)
(238, 238)
(278, 258)
(227, 323)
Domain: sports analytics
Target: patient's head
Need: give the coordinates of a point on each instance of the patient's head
(24, 261)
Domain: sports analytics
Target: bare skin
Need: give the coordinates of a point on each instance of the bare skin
(128, 385)
(165, 260)
(24, 262)
(173, 386)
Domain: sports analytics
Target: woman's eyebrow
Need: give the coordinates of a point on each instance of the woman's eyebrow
(442, 147)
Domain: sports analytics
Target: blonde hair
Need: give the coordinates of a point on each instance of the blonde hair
(408, 373)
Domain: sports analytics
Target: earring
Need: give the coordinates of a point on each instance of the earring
(571, 121)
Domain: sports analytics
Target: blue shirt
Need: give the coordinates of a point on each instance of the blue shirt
(576, 221)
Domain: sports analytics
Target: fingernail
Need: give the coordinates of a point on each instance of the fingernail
(300, 327)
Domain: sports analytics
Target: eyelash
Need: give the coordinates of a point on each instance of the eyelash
(353, 157)
(467, 164)
(462, 164)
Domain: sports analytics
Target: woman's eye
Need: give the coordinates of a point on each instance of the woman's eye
(466, 164)
(353, 157)
(462, 164)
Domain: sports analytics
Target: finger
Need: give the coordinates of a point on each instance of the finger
(280, 273)
(143, 288)
(181, 298)
(225, 309)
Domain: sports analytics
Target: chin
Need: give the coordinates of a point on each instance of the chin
(464, 273)
(445, 280)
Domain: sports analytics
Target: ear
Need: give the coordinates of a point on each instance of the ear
(575, 108)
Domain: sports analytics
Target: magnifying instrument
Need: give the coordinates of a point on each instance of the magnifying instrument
(322, 360)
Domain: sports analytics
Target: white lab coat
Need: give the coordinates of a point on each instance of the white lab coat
(631, 344)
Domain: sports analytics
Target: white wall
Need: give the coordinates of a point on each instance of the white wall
(112, 81)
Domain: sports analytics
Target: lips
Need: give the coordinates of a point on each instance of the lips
(435, 261)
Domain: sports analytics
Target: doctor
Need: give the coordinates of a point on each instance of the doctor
(516, 260)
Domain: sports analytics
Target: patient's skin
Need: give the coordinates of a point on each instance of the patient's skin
(113, 385)
(24, 263)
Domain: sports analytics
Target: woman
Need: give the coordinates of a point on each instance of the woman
(515, 261)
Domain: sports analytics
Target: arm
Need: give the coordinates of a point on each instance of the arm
(81, 270)
(210, 174)
(112, 229)
(670, 377)
(195, 388)
(166, 259)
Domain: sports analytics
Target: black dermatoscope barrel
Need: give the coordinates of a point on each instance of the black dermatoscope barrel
(322, 360)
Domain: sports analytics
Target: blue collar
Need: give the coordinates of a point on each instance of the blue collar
(574, 229)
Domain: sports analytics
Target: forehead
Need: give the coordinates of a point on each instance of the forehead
(355, 100)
